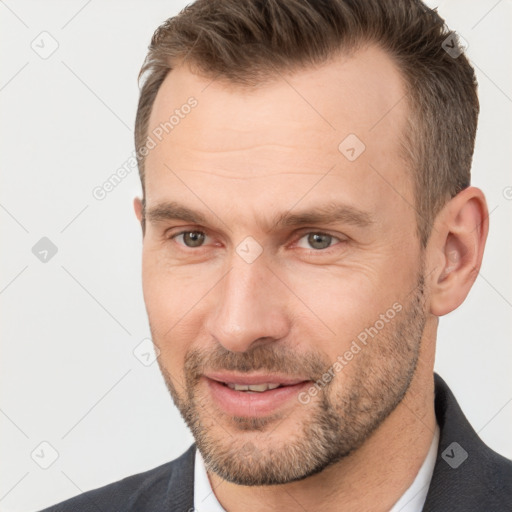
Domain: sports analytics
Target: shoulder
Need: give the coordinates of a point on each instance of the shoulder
(468, 475)
(170, 483)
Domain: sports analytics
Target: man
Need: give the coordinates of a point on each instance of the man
(307, 217)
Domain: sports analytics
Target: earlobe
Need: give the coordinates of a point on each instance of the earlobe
(460, 232)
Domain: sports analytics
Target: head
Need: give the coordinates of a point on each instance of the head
(307, 216)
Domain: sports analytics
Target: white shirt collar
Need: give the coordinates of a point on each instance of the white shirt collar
(204, 497)
(411, 501)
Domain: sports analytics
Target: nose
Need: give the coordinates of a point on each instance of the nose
(250, 307)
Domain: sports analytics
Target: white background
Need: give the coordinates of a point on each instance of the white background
(69, 326)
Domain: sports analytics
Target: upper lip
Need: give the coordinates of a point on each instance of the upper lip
(234, 378)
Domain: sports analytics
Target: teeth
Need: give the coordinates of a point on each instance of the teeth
(252, 387)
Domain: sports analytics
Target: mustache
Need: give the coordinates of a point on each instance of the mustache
(273, 358)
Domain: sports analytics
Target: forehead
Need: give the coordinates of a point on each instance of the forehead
(342, 120)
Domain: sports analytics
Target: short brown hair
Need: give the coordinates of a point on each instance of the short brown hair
(244, 42)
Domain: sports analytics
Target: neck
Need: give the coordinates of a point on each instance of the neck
(373, 477)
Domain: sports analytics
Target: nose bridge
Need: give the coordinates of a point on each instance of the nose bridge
(248, 307)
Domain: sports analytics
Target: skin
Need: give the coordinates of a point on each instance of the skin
(242, 157)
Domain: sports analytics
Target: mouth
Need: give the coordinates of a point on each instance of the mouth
(254, 395)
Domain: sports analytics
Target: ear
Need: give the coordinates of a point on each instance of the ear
(138, 206)
(455, 249)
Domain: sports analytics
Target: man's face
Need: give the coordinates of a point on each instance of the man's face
(273, 254)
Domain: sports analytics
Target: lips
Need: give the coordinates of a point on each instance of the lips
(253, 395)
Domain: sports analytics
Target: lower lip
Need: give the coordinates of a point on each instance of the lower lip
(254, 404)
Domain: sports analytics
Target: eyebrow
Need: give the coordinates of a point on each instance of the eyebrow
(329, 213)
(174, 211)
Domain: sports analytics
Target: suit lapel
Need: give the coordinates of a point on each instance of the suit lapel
(180, 490)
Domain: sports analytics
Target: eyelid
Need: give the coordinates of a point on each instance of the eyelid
(307, 231)
(179, 230)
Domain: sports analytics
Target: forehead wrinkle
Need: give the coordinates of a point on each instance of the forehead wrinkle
(247, 176)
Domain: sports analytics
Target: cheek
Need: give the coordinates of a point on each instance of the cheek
(345, 301)
(170, 290)
(176, 299)
(342, 302)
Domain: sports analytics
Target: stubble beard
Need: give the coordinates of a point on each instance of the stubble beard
(253, 451)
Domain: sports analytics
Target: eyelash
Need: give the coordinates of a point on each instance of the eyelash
(327, 250)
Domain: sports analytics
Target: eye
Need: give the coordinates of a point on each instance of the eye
(191, 238)
(317, 241)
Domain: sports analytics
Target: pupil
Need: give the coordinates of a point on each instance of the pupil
(319, 240)
(193, 238)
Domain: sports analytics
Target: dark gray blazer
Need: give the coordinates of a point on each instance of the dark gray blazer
(468, 476)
